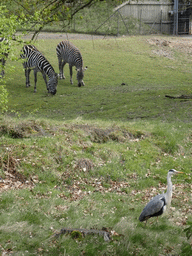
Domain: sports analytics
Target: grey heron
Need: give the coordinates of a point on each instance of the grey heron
(157, 205)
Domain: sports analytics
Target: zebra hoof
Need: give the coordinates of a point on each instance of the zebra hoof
(81, 84)
(61, 76)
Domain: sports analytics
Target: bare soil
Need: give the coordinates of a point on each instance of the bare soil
(66, 36)
(166, 45)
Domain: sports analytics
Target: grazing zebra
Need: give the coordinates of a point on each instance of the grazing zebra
(3, 57)
(37, 62)
(68, 53)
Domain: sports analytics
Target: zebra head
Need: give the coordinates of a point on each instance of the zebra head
(52, 84)
(80, 75)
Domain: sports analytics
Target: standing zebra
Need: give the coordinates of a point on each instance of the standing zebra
(37, 62)
(68, 53)
(3, 56)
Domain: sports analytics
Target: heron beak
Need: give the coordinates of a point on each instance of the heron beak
(180, 172)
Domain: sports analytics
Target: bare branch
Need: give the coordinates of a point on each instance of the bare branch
(55, 9)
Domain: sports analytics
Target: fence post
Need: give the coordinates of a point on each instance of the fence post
(161, 14)
(175, 11)
(140, 22)
(117, 24)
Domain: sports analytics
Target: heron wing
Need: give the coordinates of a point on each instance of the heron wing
(153, 207)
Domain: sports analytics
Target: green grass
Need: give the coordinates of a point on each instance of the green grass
(110, 63)
(94, 156)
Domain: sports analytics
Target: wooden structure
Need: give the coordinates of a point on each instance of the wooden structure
(165, 16)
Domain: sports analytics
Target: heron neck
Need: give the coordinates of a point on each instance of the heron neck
(169, 190)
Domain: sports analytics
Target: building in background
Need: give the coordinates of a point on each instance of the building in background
(165, 16)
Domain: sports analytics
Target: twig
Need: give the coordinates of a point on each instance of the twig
(179, 97)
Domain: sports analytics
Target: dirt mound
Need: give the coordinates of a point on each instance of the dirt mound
(166, 45)
(10, 178)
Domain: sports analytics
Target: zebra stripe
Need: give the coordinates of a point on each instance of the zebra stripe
(68, 53)
(37, 62)
(3, 55)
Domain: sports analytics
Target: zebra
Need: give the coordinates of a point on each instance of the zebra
(37, 62)
(3, 57)
(68, 53)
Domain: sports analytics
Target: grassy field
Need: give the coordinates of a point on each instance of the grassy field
(124, 81)
(92, 157)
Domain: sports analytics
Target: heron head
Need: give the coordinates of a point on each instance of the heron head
(173, 171)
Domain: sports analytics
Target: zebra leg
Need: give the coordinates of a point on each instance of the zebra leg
(27, 73)
(3, 64)
(3, 60)
(45, 79)
(71, 73)
(61, 67)
(2, 73)
(35, 79)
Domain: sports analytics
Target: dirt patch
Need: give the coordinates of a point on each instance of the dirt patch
(77, 187)
(84, 164)
(11, 178)
(66, 36)
(165, 46)
(14, 180)
(99, 135)
(23, 130)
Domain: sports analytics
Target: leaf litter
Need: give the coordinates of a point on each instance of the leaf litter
(11, 177)
(79, 187)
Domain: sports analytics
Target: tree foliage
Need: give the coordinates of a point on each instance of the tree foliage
(36, 14)
(8, 26)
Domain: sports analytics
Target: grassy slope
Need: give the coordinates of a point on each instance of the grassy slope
(130, 135)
